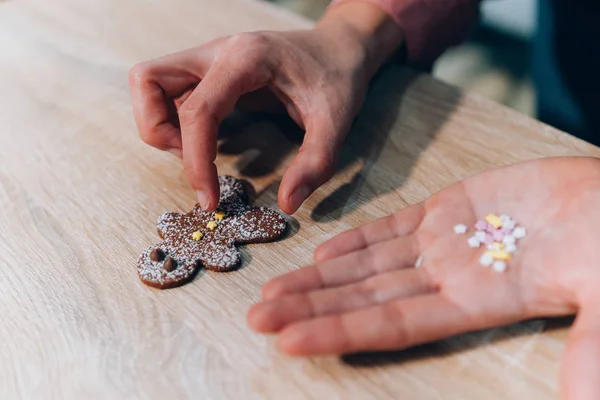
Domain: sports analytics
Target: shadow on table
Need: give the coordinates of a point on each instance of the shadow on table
(262, 140)
(266, 149)
(370, 137)
(456, 344)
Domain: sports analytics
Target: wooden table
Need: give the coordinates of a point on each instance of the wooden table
(80, 194)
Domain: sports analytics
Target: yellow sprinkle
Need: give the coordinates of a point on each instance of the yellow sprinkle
(219, 215)
(500, 255)
(494, 220)
(211, 225)
(197, 235)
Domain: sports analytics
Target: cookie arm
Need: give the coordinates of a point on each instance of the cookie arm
(169, 223)
(259, 225)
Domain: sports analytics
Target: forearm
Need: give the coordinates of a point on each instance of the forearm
(428, 27)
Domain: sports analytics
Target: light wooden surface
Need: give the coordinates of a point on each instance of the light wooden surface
(80, 193)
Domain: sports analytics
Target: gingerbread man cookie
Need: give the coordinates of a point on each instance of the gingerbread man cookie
(207, 239)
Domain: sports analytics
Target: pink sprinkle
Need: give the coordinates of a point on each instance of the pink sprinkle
(498, 235)
(490, 229)
(481, 225)
(506, 231)
(489, 239)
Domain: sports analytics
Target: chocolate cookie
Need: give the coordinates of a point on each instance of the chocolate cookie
(207, 239)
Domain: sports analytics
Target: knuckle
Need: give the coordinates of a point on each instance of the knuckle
(253, 41)
(369, 290)
(140, 72)
(193, 109)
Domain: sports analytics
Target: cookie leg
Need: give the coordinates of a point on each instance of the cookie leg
(222, 257)
(159, 269)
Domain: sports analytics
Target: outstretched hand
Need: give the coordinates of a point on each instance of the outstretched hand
(364, 294)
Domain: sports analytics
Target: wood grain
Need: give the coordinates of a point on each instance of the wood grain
(80, 193)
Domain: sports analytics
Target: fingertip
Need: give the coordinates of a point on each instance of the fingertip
(203, 199)
(285, 206)
(205, 182)
(283, 197)
(254, 318)
(333, 248)
(321, 253)
(261, 318)
(207, 201)
(298, 196)
(311, 168)
(292, 341)
(272, 290)
(291, 200)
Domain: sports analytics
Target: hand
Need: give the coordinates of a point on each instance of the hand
(363, 293)
(320, 76)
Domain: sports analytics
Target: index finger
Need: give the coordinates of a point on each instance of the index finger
(390, 326)
(200, 115)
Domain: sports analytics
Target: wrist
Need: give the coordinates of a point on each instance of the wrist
(375, 31)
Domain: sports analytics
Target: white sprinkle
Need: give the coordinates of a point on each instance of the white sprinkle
(460, 229)
(509, 240)
(419, 261)
(486, 260)
(519, 232)
(510, 248)
(499, 266)
(480, 235)
(509, 224)
(474, 242)
(494, 247)
(504, 218)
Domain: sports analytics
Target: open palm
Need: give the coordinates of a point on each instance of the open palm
(363, 292)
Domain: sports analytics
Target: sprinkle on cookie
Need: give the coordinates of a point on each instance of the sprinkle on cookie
(211, 225)
(219, 215)
(197, 235)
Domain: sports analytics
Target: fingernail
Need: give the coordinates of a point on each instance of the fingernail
(298, 196)
(203, 199)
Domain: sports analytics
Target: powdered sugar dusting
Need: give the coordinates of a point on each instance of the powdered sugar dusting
(243, 224)
(153, 273)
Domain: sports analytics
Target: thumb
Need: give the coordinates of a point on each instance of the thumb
(580, 370)
(313, 166)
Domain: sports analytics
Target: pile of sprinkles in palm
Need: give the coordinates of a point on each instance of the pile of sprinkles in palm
(499, 235)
